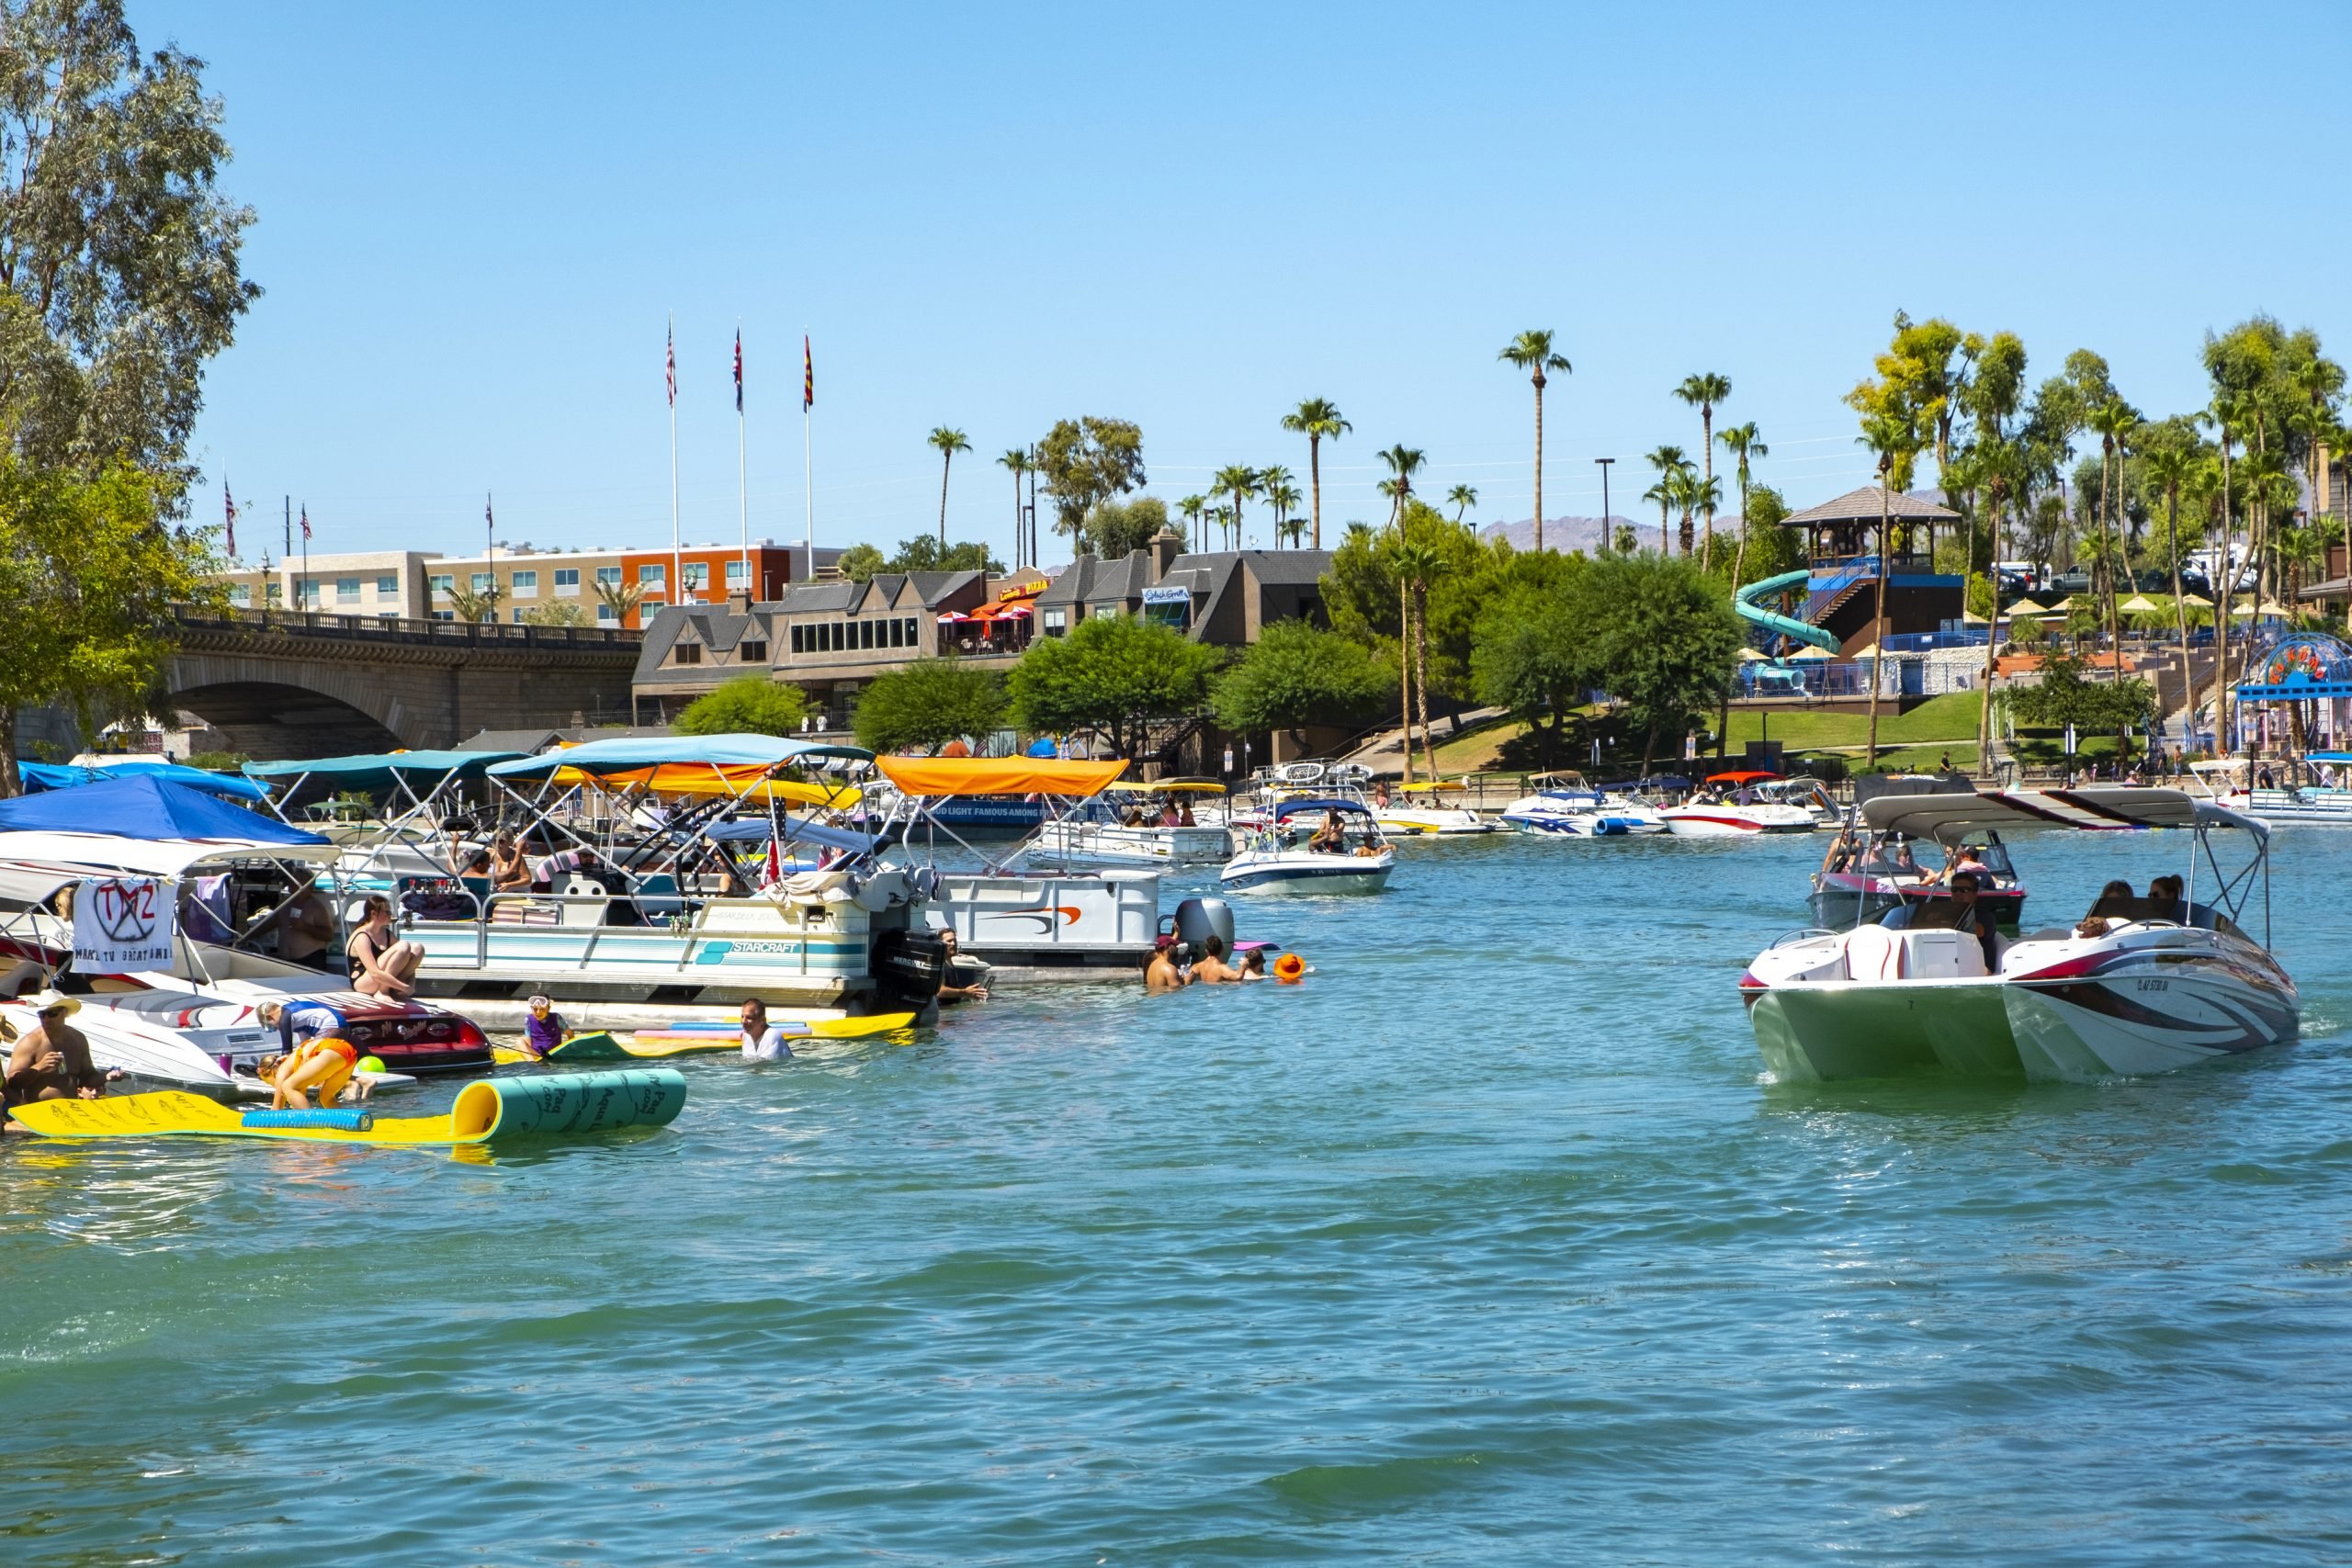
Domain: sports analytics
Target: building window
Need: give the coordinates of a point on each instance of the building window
(649, 608)
(753, 652)
(608, 574)
(686, 653)
(484, 582)
(567, 582)
(865, 633)
(739, 572)
(443, 584)
(526, 585)
(697, 573)
(391, 615)
(606, 615)
(798, 644)
(518, 616)
(275, 593)
(310, 589)
(346, 591)
(1057, 622)
(445, 614)
(646, 574)
(240, 595)
(387, 585)
(914, 632)
(898, 630)
(840, 637)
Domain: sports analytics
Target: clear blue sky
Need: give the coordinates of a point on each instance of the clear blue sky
(474, 220)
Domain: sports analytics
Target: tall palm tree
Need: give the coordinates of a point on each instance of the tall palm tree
(949, 443)
(1238, 480)
(1669, 461)
(2229, 414)
(1682, 489)
(1318, 420)
(1462, 498)
(1894, 443)
(1663, 493)
(1275, 485)
(1418, 564)
(2114, 420)
(1018, 461)
(2171, 468)
(1703, 392)
(1531, 351)
(1403, 463)
(1191, 507)
(1743, 441)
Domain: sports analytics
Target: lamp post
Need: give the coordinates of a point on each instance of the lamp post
(1607, 534)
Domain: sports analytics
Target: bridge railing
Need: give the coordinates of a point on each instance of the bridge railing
(390, 628)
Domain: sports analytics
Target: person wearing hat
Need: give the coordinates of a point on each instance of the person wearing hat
(1162, 974)
(52, 1062)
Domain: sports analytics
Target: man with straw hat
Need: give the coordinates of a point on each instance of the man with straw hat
(52, 1062)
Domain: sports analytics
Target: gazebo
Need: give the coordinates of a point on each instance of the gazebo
(1842, 553)
(1845, 531)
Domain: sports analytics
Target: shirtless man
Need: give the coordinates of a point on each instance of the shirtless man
(52, 1062)
(1212, 970)
(305, 925)
(1162, 974)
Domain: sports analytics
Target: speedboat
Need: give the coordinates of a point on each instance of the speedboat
(1859, 887)
(1566, 806)
(1729, 806)
(2137, 987)
(1421, 809)
(1274, 861)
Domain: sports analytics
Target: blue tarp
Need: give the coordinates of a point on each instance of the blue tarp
(628, 753)
(144, 807)
(40, 776)
(1293, 807)
(1044, 746)
(378, 770)
(753, 831)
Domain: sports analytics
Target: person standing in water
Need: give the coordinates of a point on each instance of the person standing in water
(762, 1041)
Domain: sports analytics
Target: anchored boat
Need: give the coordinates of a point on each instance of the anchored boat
(1729, 805)
(1282, 859)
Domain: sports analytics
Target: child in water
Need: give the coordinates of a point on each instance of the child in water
(543, 1029)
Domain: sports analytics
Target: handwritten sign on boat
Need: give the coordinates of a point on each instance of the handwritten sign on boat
(122, 924)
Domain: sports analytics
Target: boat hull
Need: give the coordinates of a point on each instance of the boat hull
(1046, 921)
(1292, 875)
(1735, 821)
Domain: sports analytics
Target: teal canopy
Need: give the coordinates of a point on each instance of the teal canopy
(628, 753)
(379, 771)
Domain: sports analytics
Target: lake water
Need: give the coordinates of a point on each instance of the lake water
(1490, 1243)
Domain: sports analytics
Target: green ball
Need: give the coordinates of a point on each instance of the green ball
(372, 1064)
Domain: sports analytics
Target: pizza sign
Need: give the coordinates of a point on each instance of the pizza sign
(122, 924)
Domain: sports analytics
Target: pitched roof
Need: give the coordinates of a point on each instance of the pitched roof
(1862, 506)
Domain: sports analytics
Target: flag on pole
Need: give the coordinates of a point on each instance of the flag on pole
(228, 504)
(739, 370)
(488, 523)
(670, 358)
(808, 376)
(306, 520)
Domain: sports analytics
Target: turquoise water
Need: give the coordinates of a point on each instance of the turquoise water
(1489, 1243)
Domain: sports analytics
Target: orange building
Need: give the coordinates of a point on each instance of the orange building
(711, 572)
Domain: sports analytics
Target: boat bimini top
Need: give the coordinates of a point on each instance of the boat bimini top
(937, 777)
(1319, 803)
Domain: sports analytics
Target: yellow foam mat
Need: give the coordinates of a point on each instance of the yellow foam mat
(652, 1045)
(569, 1105)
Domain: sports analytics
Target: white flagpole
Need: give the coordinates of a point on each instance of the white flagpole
(808, 465)
(743, 471)
(677, 594)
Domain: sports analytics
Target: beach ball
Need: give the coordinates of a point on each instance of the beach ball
(372, 1064)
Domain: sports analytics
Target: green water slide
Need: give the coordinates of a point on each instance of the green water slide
(1744, 602)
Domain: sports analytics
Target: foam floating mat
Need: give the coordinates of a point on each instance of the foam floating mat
(568, 1105)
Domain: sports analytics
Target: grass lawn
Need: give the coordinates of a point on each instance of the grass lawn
(1950, 717)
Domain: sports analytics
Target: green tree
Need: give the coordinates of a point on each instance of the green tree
(89, 572)
(748, 704)
(1359, 588)
(923, 553)
(1297, 674)
(476, 604)
(1531, 351)
(1462, 498)
(1532, 655)
(1662, 639)
(1418, 564)
(1016, 462)
(928, 704)
(120, 258)
(1669, 461)
(556, 612)
(1771, 550)
(1744, 441)
(1191, 506)
(1275, 485)
(948, 443)
(861, 561)
(1402, 463)
(1238, 480)
(1114, 674)
(2064, 695)
(1895, 441)
(1702, 392)
(1116, 528)
(1318, 420)
(620, 598)
(1086, 461)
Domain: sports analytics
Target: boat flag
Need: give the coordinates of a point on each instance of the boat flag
(670, 361)
(306, 520)
(739, 370)
(808, 376)
(228, 504)
(775, 864)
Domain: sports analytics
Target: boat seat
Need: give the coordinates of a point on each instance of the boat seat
(1943, 955)
(1872, 952)
(584, 914)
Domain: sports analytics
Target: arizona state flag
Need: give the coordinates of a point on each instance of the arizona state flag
(808, 376)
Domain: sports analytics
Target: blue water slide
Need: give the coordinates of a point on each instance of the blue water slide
(1744, 602)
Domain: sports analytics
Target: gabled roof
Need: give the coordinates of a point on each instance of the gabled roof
(1863, 506)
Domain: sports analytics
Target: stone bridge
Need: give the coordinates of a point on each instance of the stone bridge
(285, 683)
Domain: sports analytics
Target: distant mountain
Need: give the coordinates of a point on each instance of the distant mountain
(1585, 533)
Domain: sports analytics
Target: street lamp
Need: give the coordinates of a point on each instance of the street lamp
(1607, 536)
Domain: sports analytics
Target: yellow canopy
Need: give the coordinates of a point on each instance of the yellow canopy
(1168, 786)
(2138, 605)
(999, 775)
(704, 779)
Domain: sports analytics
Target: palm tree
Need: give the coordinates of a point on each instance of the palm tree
(1403, 463)
(1280, 494)
(475, 603)
(2172, 467)
(2114, 420)
(620, 598)
(1318, 420)
(1191, 507)
(1531, 351)
(1703, 392)
(1292, 530)
(1017, 460)
(1462, 498)
(1681, 488)
(1669, 461)
(1743, 441)
(949, 443)
(1238, 480)
(1419, 565)
(2229, 415)
(1895, 442)
(1228, 523)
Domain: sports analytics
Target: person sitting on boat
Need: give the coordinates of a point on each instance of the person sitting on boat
(1329, 838)
(382, 964)
(305, 925)
(1840, 853)
(951, 991)
(762, 1041)
(1901, 864)
(1162, 974)
(1184, 815)
(1169, 815)
(1212, 970)
(2116, 905)
(52, 1061)
(322, 1067)
(2166, 900)
(543, 1027)
(1967, 915)
(510, 868)
(578, 861)
(1380, 796)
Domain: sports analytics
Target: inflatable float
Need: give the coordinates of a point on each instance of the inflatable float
(695, 1038)
(569, 1106)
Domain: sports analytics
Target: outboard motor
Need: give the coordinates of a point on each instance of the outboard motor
(909, 963)
(1197, 920)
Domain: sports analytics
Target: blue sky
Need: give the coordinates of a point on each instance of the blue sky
(473, 220)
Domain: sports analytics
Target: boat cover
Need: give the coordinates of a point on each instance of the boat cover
(1293, 807)
(378, 770)
(631, 753)
(40, 777)
(999, 775)
(2114, 808)
(144, 807)
(752, 831)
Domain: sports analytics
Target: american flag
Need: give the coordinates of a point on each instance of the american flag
(671, 357)
(228, 504)
(739, 370)
(488, 523)
(306, 520)
(808, 376)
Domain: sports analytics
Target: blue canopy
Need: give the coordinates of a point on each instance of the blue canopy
(750, 829)
(144, 807)
(1293, 807)
(628, 753)
(1044, 746)
(40, 776)
(377, 771)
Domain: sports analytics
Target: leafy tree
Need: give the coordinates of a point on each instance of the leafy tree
(1318, 420)
(1087, 462)
(1115, 673)
(1359, 588)
(1297, 674)
(218, 762)
(1116, 528)
(88, 571)
(1531, 351)
(860, 562)
(928, 704)
(1661, 637)
(2063, 696)
(1530, 652)
(748, 704)
(556, 612)
(948, 443)
(923, 553)
(120, 258)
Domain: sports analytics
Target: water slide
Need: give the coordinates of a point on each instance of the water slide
(1743, 603)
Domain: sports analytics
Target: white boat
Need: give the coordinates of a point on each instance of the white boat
(1566, 806)
(2223, 781)
(1124, 826)
(1729, 806)
(1278, 858)
(2136, 988)
(1422, 810)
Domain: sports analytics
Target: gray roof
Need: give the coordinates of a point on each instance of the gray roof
(1863, 506)
(1297, 568)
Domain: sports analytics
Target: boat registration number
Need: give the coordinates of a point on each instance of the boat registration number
(2155, 985)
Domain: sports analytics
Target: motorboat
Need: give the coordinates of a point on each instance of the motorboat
(1126, 826)
(2224, 781)
(1866, 875)
(1729, 805)
(1269, 787)
(1810, 794)
(1277, 859)
(1426, 810)
(1564, 805)
(2139, 987)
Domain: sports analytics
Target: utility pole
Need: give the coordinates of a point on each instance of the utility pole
(1607, 535)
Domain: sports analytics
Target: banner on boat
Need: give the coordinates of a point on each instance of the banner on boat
(122, 924)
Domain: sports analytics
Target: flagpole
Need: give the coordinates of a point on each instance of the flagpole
(807, 469)
(677, 568)
(743, 471)
(289, 550)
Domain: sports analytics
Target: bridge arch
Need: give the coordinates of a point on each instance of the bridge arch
(271, 719)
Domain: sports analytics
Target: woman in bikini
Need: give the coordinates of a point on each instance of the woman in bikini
(382, 965)
(323, 1068)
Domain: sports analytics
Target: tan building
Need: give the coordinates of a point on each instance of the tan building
(385, 583)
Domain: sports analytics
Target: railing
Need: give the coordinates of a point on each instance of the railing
(391, 628)
(1830, 681)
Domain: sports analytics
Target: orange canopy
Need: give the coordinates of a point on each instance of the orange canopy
(999, 775)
